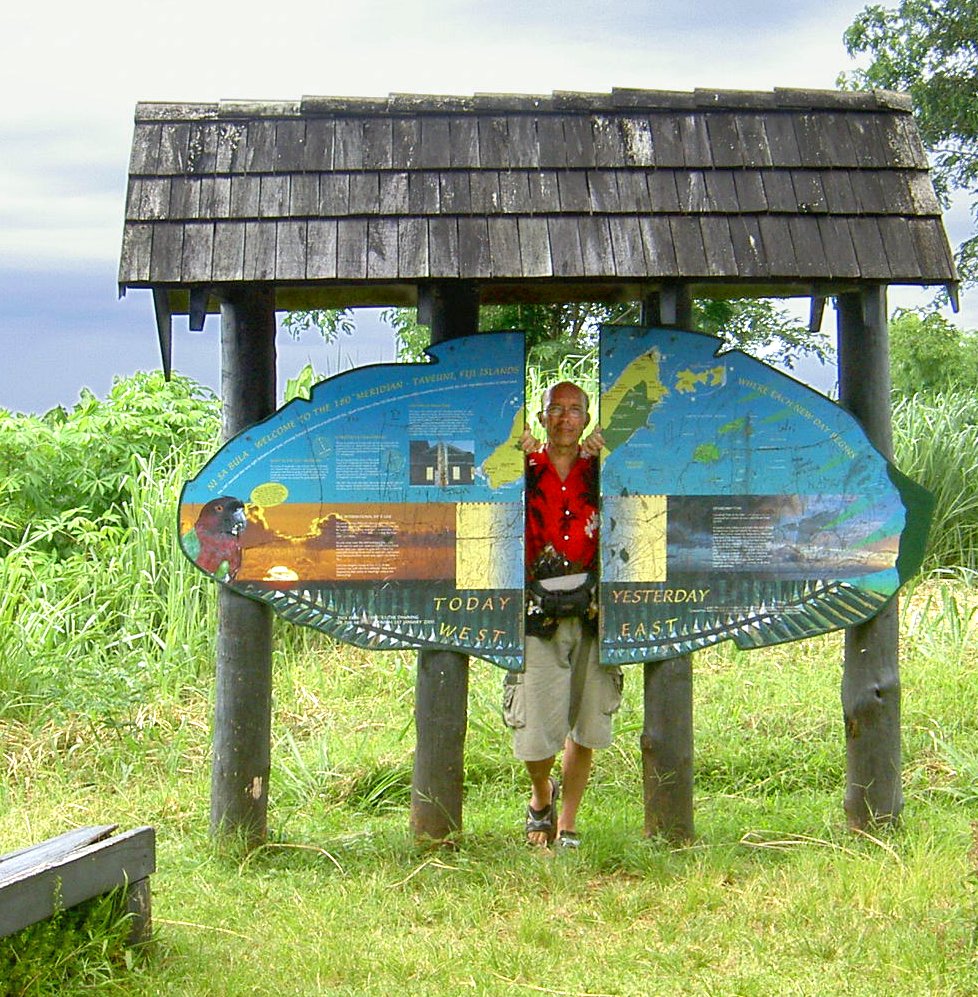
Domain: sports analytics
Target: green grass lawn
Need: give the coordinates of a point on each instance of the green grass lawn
(774, 897)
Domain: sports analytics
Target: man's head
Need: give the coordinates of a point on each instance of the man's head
(564, 413)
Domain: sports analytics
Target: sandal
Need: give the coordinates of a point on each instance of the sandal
(568, 839)
(544, 821)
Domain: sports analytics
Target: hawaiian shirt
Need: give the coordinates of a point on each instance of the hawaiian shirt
(561, 517)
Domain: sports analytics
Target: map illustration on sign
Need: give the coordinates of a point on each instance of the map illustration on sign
(737, 503)
(386, 510)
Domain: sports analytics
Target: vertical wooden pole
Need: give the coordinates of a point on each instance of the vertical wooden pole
(243, 697)
(442, 683)
(667, 731)
(871, 675)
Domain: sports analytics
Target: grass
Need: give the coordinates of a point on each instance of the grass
(775, 896)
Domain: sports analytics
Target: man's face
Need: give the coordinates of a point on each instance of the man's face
(565, 415)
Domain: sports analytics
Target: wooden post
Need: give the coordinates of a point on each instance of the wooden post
(871, 676)
(243, 697)
(442, 683)
(667, 731)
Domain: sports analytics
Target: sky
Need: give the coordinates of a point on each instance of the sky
(72, 75)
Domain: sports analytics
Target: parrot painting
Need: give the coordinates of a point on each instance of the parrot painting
(213, 544)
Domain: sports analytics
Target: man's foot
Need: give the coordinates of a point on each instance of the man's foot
(541, 825)
(569, 840)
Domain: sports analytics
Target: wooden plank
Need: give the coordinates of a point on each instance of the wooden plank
(273, 197)
(259, 154)
(197, 252)
(809, 193)
(202, 147)
(149, 199)
(753, 139)
(868, 243)
(229, 244)
(596, 251)
(840, 253)
(504, 244)
(550, 136)
(565, 246)
(381, 248)
(484, 192)
(290, 250)
(899, 247)
(749, 185)
(781, 140)
(412, 247)
(215, 197)
(393, 193)
(436, 147)
(464, 143)
(321, 249)
(895, 193)
(174, 149)
(603, 191)
(378, 147)
(334, 194)
(137, 249)
(259, 251)
(424, 193)
(908, 150)
(660, 251)
(290, 146)
(778, 259)
(688, 238)
(544, 192)
(348, 144)
(473, 248)
(453, 193)
(578, 142)
(84, 873)
(922, 195)
(303, 195)
(626, 244)
(725, 142)
(691, 189)
(232, 145)
(245, 195)
(696, 141)
(572, 188)
(636, 136)
(779, 191)
(167, 252)
(827, 141)
(405, 143)
(807, 241)
(839, 196)
(351, 248)
(868, 192)
(871, 151)
(317, 155)
(663, 192)
(748, 247)
(144, 156)
(534, 247)
(524, 148)
(514, 192)
(40, 855)
(609, 145)
(364, 193)
(932, 249)
(633, 191)
(721, 258)
(667, 140)
(493, 142)
(443, 247)
(721, 191)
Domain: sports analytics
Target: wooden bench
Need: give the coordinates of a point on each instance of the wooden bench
(77, 866)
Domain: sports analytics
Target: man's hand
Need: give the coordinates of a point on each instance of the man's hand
(528, 442)
(593, 443)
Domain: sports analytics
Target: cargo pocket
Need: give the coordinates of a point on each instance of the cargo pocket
(514, 704)
(613, 689)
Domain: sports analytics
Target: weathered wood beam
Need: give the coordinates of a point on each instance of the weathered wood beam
(667, 732)
(871, 675)
(243, 706)
(164, 329)
(442, 683)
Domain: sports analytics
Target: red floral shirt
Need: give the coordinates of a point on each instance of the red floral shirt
(561, 515)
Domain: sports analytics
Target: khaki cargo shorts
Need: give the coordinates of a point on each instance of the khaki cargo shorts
(563, 691)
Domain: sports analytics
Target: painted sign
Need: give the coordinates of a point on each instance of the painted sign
(386, 510)
(737, 503)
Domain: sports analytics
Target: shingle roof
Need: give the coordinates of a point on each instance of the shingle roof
(777, 188)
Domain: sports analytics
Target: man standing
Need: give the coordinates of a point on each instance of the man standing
(563, 699)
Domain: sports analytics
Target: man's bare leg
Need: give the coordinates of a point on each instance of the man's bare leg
(576, 766)
(541, 792)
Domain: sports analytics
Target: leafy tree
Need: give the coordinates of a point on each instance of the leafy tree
(929, 354)
(929, 48)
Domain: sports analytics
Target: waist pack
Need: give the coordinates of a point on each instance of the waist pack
(564, 595)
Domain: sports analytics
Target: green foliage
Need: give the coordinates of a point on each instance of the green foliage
(930, 354)
(929, 48)
(330, 323)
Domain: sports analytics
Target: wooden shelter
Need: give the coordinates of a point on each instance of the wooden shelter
(452, 202)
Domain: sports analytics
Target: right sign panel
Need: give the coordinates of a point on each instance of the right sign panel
(737, 503)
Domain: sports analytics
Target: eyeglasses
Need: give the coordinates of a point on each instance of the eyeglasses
(574, 411)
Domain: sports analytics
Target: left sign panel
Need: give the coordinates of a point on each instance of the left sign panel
(387, 510)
